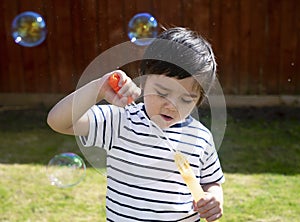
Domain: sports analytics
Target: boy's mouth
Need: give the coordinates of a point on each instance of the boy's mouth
(166, 117)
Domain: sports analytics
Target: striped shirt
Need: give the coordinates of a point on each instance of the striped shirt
(143, 183)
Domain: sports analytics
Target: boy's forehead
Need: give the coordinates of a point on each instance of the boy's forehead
(165, 82)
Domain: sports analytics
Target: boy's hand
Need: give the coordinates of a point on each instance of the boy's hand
(126, 89)
(209, 207)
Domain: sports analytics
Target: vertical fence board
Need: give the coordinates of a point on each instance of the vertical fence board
(296, 64)
(168, 12)
(103, 28)
(272, 57)
(51, 44)
(117, 34)
(186, 9)
(115, 22)
(201, 17)
(14, 75)
(288, 45)
(89, 30)
(229, 39)
(215, 34)
(79, 39)
(131, 10)
(244, 45)
(63, 45)
(3, 49)
(257, 41)
(35, 59)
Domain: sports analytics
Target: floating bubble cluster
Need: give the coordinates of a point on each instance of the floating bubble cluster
(66, 170)
(29, 29)
(142, 28)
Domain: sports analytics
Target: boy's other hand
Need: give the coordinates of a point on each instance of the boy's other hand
(209, 207)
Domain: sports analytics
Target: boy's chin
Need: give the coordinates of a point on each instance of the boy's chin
(160, 122)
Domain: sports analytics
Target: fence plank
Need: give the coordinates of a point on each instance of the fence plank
(4, 66)
(169, 12)
(201, 16)
(288, 44)
(14, 75)
(51, 45)
(35, 59)
(79, 39)
(257, 41)
(272, 57)
(229, 39)
(296, 64)
(62, 48)
(244, 45)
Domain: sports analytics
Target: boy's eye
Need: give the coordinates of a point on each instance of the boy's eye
(185, 100)
(161, 93)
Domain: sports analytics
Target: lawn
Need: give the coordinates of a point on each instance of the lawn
(260, 155)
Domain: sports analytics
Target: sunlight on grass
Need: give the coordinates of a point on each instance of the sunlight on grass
(27, 195)
(261, 197)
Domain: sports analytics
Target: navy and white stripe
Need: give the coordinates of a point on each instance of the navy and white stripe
(143, 183)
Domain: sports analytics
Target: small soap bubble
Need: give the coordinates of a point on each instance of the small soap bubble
(142, 28)
(29, 29)
(66, 170)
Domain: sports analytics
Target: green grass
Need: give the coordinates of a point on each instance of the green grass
(26, 195)
(260, 155)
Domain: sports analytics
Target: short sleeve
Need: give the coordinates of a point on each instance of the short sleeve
(101, 128)
(211, 171)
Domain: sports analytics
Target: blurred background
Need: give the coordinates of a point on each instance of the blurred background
(256, 42)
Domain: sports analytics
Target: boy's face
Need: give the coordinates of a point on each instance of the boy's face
(169, 100)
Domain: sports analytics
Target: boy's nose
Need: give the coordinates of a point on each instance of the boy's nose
(170, 104)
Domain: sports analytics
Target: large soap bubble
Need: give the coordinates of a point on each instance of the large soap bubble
(142, 28)
(29, 29)
(66, 170)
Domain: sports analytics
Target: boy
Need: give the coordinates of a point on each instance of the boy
(143, 181)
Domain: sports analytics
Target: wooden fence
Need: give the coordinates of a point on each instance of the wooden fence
(256, 42)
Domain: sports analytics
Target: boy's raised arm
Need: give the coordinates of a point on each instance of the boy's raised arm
(69, 116)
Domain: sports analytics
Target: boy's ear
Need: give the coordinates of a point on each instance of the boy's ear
(142, 80)
(141, 85)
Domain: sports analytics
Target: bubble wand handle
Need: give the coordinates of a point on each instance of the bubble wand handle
(189, 176)
(114, 83)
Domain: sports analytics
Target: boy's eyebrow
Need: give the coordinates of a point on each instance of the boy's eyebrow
(185, 94)
(161, 86)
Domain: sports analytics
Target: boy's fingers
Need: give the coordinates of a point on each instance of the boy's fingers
(207, 206)
(130, 89)
(214, 217)
(123, 78)
(120, 101)
(136, 93)
(208, 213)
(202, 201)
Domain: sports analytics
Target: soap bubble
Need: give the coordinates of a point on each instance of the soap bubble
(66, 170)
(29, 29)
(142, 28)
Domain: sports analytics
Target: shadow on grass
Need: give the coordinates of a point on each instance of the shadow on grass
(257, 140)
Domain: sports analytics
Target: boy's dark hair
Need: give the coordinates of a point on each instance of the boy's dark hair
(181, 53)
